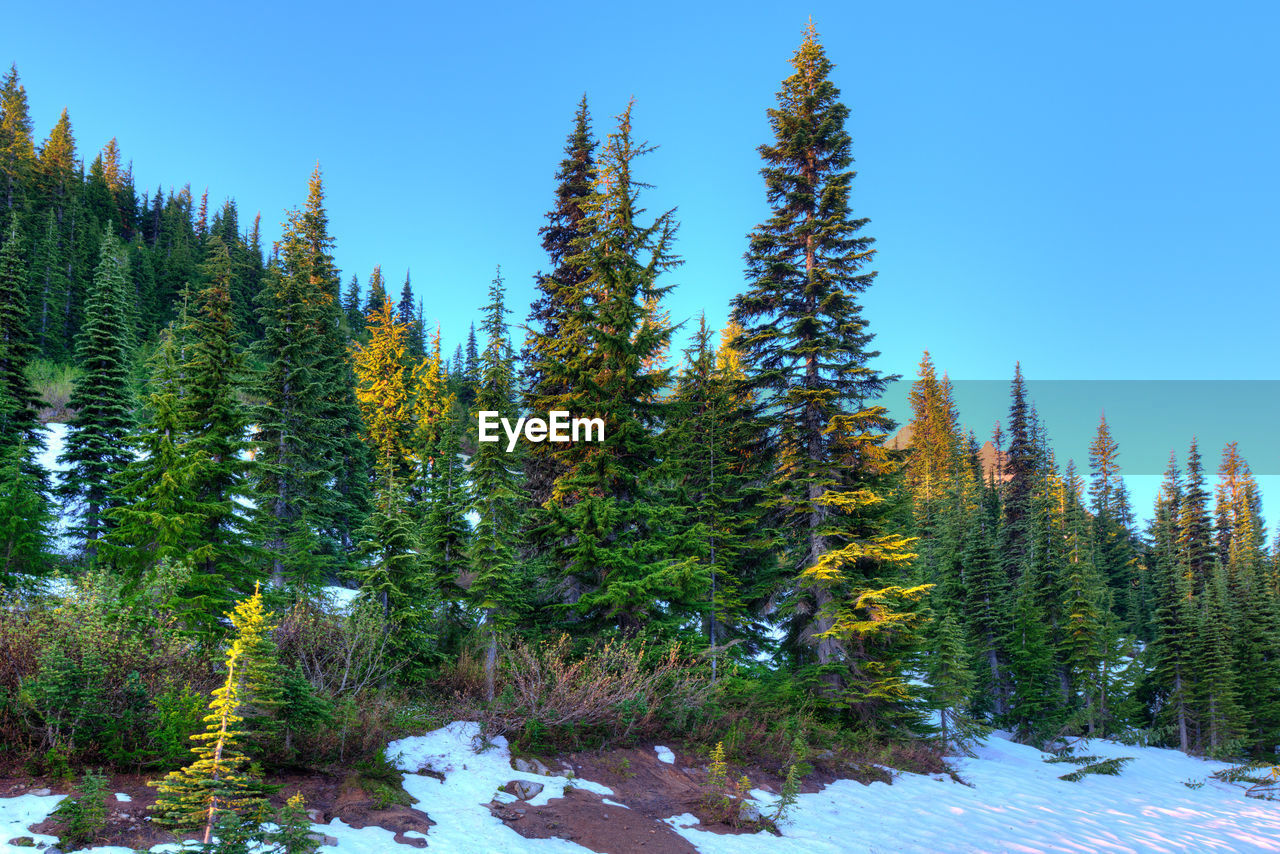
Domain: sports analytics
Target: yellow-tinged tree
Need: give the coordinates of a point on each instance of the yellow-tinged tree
(383, 392)
(218, 782)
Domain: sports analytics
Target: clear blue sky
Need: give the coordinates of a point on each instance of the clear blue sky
(1091, 188)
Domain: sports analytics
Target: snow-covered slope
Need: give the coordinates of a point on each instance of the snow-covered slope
(1014, 803)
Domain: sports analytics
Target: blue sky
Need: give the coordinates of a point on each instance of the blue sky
(1089, 188)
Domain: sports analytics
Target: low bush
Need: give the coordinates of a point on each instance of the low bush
(84, 817)
(615, 692)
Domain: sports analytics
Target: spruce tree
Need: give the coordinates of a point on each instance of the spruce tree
(215, 421)
(310, 486)
(154, 519)
(807, 348)
(95, 451)
(548, 341)
(498, 497)
(17, 149)
(710, 439)
(19, 420)
(611, 542)
(1171, 647)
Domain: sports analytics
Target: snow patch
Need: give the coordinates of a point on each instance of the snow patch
(665, 755)
(474, 769)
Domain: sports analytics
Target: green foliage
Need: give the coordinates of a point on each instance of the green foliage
(382, 781)
(1107, 767)
(179, 714)
(95, 451)
(84, 817)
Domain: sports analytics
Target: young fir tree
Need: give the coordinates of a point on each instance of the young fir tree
(95, 451)
(26, 522)
(395, 575)
(377, 290)
(214, 422)
(351, 307)
(986, 597)
(951, 682)
(440, 494)
(1113, 542)
(1021, 471)
(611, 542)
(548, 341)
(495, 584)
(308, 413)
(808, 354)
(1171, 648)
(1195, 526)
(154, 519)
(710, 439)
(218, 782)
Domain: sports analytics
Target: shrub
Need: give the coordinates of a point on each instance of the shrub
(339, 654)
(84, 817)
(53, 382)
(617, 691)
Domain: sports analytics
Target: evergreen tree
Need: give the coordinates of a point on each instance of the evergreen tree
(95, 451)
(1112, 539)
(495, 586)
(309, 493)
(1195, 527)
(396, 574)
(19, 419)
(25, 520)
(1021, 470)
(1171, 647)
(215, 422)
(548, 341)
(377, 290)
(17, 148)
(351, 307)
(807, 348)
(218, 782)
(710, 439)
(611, 543)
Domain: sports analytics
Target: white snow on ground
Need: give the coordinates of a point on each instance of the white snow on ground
(473, 778)
(17, 814)
(1015, 803)
(665, 755)
(123, 798)
(55, 434)
(1018, 804)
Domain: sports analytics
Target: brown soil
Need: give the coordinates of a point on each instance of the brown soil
(652, 791)
(332, 796)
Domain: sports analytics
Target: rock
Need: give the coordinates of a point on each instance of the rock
(316, 816)
(531, 766)
(323, 840)
(748, 812)
(22, 842)
(40, 792)
(824, 755)
(524, 789)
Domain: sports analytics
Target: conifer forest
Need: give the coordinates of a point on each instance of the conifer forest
(249, 529)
